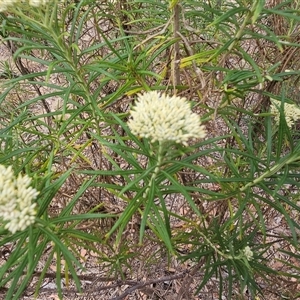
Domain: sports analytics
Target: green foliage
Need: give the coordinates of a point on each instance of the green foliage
(63, 122)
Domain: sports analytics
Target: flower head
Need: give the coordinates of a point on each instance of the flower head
(160, 117)
(291, 112)
(248, 253)
(7, 4)
(16, 207)
(37, 3)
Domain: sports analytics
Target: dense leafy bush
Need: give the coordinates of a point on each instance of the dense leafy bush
(225, 207)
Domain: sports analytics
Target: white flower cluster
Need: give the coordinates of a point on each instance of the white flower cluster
(37, 3)
(248, 253)
(163, 118)
(6, 4)
(291, 112)
(16, 207)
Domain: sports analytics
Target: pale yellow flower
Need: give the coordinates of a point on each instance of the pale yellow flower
(16, 207)
(291, 112)
(248, 253)
(37, 3)
(160, 117)
(5, 5)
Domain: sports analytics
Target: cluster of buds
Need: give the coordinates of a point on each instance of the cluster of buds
(5, 5)
(165, 119)
(17, 209)
(291, 112)
(248, 253)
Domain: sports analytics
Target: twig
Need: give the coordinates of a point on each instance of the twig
(153, 35)
(190, 52)
(188, 280)
(176, 57)
(143, 284)
(144, 32)
(24, 71)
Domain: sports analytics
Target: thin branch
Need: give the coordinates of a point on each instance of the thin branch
(154, 35)
(188, 280)
(190, 52)
(144, 32)
(143, 284)
(176, 57)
